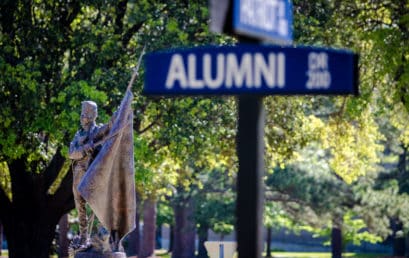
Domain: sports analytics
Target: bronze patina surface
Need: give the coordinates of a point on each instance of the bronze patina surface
(103, 167)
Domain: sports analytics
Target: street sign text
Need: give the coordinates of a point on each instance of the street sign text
(251, 69)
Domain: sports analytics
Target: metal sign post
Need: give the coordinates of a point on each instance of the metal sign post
(250, 151)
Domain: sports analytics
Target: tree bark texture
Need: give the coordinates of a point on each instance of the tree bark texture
(147, 247)
(203, 234)
(133, 239)
(30, 219)
(63, 241)
(158, 237)
(268, 241)
(1, 237)
(184, 230)
(399, 241)
(336, 242)
(171, 238)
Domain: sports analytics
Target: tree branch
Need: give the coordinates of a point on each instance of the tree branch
(4, 205)
(70, 14)
(53, 168)
(150, 125)
(63, 197)
(129, 33)
(120, 13)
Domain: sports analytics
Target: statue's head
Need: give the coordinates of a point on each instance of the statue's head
(89, 113)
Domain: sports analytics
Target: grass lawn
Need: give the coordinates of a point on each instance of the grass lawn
(164, 254)
(322, 255)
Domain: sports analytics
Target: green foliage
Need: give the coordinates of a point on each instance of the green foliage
(307, 195)
(51, 63)
(222, 228)
(354, 146)
(164, 214)
(353, 229)
(63, 172)
(70, 51)
(5, 181)
(215, 202)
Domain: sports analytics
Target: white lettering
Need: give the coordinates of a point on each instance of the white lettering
(194, 83)
(318, 80)
(230, 70)
(318, 75)
(261, 69)
(176, 72)
(317, 61)
(281, 70)
(207, 71)
(235, 73)
(268, 15)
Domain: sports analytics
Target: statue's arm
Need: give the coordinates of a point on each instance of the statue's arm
(105, 128)
(78, 151)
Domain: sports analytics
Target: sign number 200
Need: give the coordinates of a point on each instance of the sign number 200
(318, 80)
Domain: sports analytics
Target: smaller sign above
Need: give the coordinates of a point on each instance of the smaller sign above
(251, 69)
(264, 19)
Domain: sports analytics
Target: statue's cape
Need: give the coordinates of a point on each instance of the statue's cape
(108, 185)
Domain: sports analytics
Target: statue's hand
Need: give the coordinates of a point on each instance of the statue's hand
(89, 147)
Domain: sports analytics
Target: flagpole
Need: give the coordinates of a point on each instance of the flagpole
(135, 70)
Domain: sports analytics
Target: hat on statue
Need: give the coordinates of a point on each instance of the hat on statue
(89, 108)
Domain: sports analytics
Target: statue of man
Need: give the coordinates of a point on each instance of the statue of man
(82, 151)
(104, 173)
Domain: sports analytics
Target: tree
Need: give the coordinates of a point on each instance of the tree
(63, 241)
(165, 217)
(335, 209)
(215, 203)
(179, 129)
(54, 59)
(1, 237)
(148, 241)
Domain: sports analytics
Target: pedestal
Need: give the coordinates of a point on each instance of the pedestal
(99, 255)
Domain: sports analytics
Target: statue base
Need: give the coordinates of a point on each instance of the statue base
(99, 255)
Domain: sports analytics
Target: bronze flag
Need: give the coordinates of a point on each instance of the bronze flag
(108, 185)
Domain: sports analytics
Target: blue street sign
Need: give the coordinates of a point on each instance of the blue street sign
(265, 19)
(251, 69)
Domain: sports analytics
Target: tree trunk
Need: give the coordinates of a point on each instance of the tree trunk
(30, 219)
(203, 233)
(132, 241)
(149, 228)
(158, 237)
(171, 238)
(30, 237)
(336, 242)
(399, 244)
(268, 241)
(1, 237)
(63, 241)
(184, 230)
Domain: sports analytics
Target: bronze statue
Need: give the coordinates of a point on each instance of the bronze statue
(103, 167)
(82, 151)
